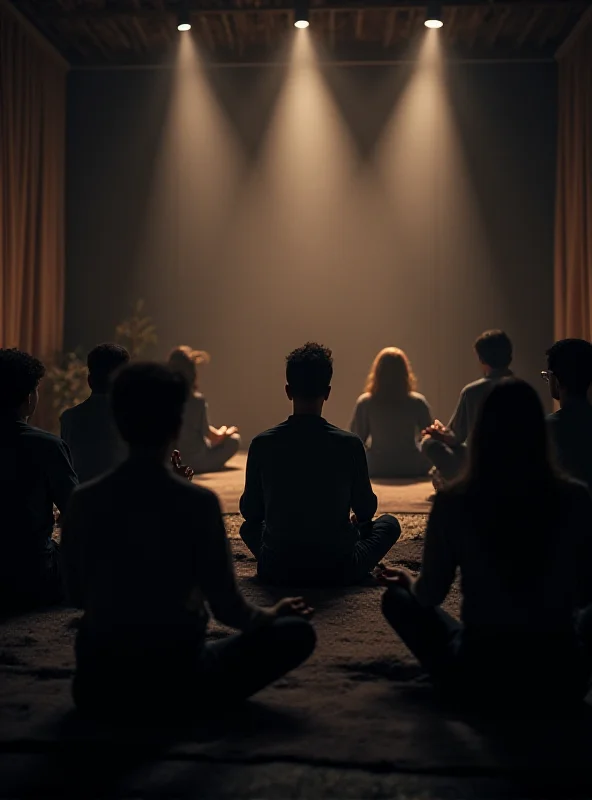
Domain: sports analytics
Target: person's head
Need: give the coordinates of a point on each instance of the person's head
(569, 368)
(102, 362)
(148, 401)
(509, 444)
(185, 360)
(494, 350)
(309, 370)
(391, 376)
(20, 375)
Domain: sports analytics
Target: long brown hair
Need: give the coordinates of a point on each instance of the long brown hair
(391, 375)
(511, 483)
(185, 360)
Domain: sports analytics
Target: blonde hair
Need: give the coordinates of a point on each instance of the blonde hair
(391, 375)
(185, 360)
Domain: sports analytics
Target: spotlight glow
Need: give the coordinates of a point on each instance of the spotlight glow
(433, 23)
(184, 26)
(301, 23)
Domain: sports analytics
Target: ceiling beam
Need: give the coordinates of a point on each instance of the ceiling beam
(227, 6)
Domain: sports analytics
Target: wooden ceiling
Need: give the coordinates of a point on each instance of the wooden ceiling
(137, 32)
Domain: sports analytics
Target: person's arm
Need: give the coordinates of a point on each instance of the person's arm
(215, 575)
(60, 474)
(360, 424)
(363, 501)
(71, 552)
(424, 415)
(459, 423)
(252, 502)
(64, 433)
(439, 563)
(581, 511)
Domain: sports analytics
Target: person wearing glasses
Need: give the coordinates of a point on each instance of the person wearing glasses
(445, 446)
(569, 375)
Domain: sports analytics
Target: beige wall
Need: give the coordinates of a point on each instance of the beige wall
(256, 209)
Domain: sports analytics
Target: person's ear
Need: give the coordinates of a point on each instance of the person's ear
(554, 387)
(30, 404)
(327, 393)
(289, 394)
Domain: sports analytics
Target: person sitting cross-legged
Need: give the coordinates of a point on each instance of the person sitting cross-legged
(36, 474)
(141, 648)
(445, 446)
(569, 376)
(205, 448)
(304, 478)
(88, 428)
(521, 535)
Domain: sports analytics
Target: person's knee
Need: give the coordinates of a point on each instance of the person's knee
(428, 445)
(394, 603)
(234, 443)
(390, 525)
(295, 636)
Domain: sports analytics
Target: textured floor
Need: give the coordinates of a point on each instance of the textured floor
(358, 720)
(394, 496)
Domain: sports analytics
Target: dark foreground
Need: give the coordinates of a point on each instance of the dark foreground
(357, 721)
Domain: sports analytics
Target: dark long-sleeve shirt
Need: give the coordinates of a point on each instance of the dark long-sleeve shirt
(455, 539)
(35, 473)
(94, 441)
(571, 437)
(165, 557)
(303, 478)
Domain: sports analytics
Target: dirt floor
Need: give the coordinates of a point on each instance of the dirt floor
(358, 720)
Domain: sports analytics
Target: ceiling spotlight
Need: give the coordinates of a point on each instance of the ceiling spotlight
(183, 21)
(434, 15)
(301, 14)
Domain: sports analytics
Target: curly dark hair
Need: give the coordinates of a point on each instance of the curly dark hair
(570, 360)
(102, 361)
(309, 370)
(20, 374)
(148, 401)
(494, 348)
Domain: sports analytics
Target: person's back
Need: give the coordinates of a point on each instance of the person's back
(310, 476)
(569, 375)
(92, 438)
(304, 477)
(141, 647)
(35, 473)
(390, 416)
(445, 446)
(157, 523)
(88, 428)
(393, 431)
(540, 600)
(521, 537)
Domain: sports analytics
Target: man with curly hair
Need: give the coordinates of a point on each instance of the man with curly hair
(308, 502)
(36, 473)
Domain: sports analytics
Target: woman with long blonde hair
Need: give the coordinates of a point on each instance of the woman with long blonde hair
(390, 416)
(203, 447)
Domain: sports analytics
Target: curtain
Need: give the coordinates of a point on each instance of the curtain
(573, 229)
(32, 145)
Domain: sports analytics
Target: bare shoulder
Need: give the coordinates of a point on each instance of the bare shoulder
(364, 399)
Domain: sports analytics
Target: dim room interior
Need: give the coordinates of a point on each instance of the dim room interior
(243, 176)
